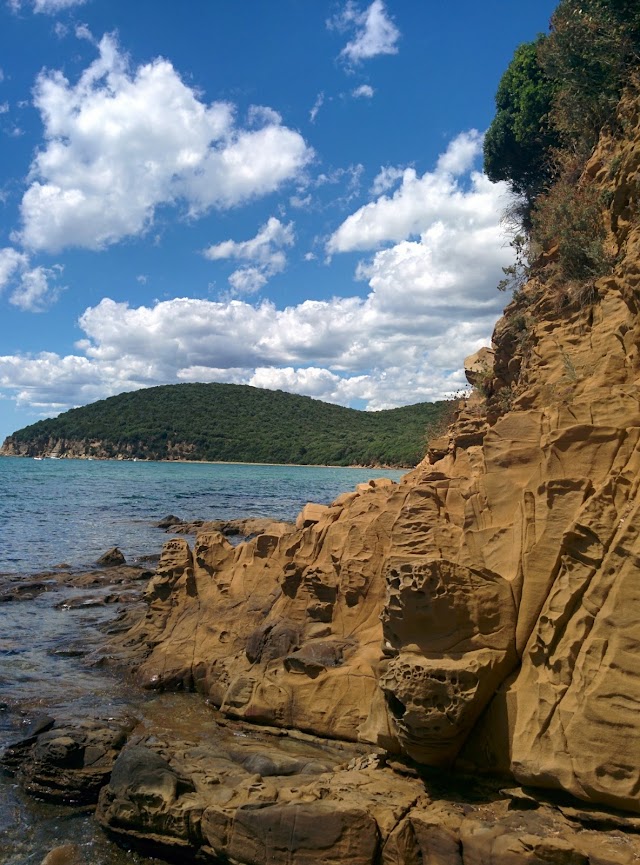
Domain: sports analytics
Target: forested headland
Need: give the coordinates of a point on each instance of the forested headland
(235, 423)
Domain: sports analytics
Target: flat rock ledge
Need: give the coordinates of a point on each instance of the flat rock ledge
(258, 806)
(258, 796)
(66, 762)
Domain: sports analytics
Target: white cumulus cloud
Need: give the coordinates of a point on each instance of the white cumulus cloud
(121, 141)
(386, 179)
(34, 288)
(11, 261)
(37, 290)
(374, 33)
(422, 201)
(430, 299)
(265, 250)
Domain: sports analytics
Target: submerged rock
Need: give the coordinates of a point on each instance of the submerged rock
(67, 854)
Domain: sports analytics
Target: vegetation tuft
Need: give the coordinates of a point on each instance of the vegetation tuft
(558, 93)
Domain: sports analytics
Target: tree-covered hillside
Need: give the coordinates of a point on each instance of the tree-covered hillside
(234, 423)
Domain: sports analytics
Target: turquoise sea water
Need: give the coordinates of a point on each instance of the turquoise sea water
(71, 511)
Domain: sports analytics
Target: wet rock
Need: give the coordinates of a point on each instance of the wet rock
(66, 762)
(83, 601)
(15, 753)
(68, 652)
(67, 854)
(114, 556)
(24, 590)
(150, 558)
(169, 521)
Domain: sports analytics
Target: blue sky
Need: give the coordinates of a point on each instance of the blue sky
(285, 194)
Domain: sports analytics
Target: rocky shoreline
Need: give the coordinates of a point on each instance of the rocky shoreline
(250, 795)
(440, 671)
(226, 790)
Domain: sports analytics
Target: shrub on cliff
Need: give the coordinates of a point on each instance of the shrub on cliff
(518, 141)
(587, 54)
(568, 218)
(554, 99)
(559, 91)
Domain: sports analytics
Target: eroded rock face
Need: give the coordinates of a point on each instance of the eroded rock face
(450, 632)
(485, 609)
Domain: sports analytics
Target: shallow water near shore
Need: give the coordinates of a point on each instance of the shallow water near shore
(73, 510)
(42, 673)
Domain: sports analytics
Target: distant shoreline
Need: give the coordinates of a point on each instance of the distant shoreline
(218, 463)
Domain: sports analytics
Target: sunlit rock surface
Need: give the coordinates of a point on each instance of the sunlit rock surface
(483, 613)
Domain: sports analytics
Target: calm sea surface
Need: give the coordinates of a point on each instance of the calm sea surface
(54, 511)
(71, 511)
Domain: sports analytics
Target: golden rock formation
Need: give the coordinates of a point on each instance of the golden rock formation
(486, 609)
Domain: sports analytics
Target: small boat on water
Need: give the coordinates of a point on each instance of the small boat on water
(37, 458)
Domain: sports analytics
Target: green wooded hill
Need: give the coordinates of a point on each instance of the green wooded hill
(236, 423)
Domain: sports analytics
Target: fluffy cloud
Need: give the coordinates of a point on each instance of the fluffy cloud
(365, 91)
(34, 288)
(265, 250)
(386, 179)
(419, 202)
(11, 261)
(262, 248)
(374, 32)
(120, 142)
(430, 299)
(37, 290)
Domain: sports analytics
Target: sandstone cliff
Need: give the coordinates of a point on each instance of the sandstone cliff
(485, 610)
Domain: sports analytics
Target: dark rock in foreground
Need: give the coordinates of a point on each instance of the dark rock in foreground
(66, 762)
